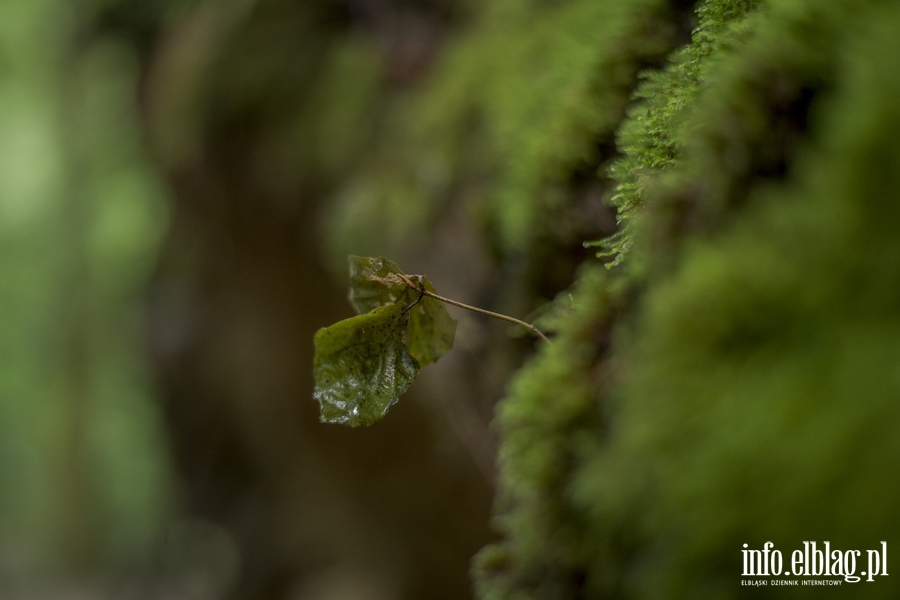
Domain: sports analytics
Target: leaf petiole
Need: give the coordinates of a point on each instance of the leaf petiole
(419, 288)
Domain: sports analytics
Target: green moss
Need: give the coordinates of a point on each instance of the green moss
(650, 139)
(734, 383)
(552, 403)
(760, 404)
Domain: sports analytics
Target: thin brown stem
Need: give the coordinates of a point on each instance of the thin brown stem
(531, 328)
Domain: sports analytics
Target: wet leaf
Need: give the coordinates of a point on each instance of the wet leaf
(374, 282)
(362, 365)
(431, 328)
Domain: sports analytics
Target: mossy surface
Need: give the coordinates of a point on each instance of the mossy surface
(730, 382)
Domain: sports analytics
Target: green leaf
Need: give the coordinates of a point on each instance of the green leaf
(431, 328)
(375, 281)
(362, 365)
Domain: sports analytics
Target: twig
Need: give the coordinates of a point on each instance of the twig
(531, 328)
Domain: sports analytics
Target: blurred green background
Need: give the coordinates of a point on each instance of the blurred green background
(85, 473)
(164, 170)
